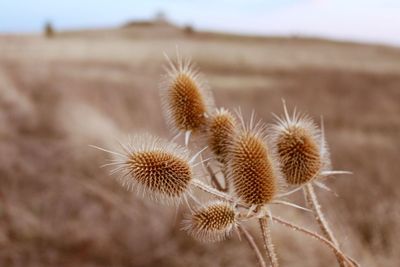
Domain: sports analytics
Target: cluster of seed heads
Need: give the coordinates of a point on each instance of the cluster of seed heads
(252, 156)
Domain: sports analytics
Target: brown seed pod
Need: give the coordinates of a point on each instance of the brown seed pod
(252, 169)
(156, 168)
(300, 147)
(221, 131)
(186, 99)
(212, 222)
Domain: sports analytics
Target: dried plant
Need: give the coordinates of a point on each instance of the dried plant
(251, 167)
(221, 131)
(186, 98)
(304, 157)
(262, 165)
(154, 167)
(212, 222)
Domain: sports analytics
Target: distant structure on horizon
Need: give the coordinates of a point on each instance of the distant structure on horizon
(48, 30)
(159, 19)
(161, 23)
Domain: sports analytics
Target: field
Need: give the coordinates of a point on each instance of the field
(59, 95)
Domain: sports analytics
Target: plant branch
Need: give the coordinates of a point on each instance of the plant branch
(206, 188)
(313, 204)
(332, 246)
(325, 241)
(268, 245)
(214, 179)
(253, 246)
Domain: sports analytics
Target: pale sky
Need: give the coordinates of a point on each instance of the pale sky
(359, 20)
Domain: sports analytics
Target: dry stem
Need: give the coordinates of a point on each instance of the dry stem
(214, 179)
(322, 239)
(204, 187)
(253, 245)
(325, 241)
(313, 204)
(268, 245)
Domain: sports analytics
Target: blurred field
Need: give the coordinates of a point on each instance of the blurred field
(58, 208)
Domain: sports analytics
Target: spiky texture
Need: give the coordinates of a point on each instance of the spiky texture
(221, 131)
(186, 99)
(212, 222)
(156, 168)
(300, 147)
(252, 169)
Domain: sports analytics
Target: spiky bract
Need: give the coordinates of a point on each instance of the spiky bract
(251, 166)
(212, 222)
(158, 169)
(186, 99)
(300, 147)
(221, 131)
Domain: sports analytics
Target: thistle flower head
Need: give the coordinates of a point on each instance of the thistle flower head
(156, 168)
(185, 98)
(221, 131)
(212, 222)
(300, 147)
(251, 165)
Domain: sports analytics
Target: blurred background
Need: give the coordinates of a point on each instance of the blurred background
(74, 73)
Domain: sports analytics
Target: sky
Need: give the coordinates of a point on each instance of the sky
(376, 21)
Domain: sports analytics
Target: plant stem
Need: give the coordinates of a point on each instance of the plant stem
(318, 237)
(214, 179)
(268, 245)
(313, 204)
(253, 245)
(206, 188)
(338, 253)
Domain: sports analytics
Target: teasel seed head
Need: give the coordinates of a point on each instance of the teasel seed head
(158, 169)
(252, 168)
(300, 147)
(211, 223)
(221, 131)
(186, 99)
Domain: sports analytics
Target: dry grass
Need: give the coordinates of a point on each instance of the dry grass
(57, 208)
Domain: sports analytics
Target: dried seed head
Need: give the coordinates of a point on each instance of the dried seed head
(211, 223)
(185, 98)
(158, 169)
(221, 131)
(300, 147)
(251, 166)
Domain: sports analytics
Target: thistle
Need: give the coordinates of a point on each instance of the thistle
(252, 161)
(251, 166)
(300, 147)
(221, 131)
(186, 99)
(211, 223)
(304, 157)
(156, 168)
